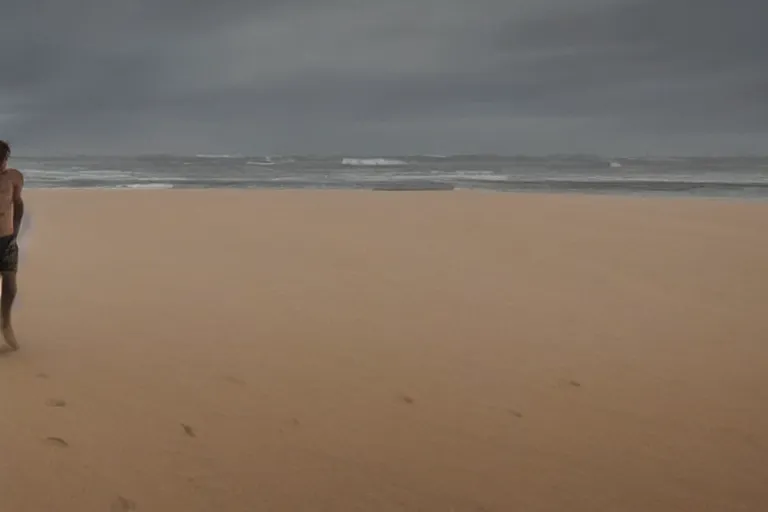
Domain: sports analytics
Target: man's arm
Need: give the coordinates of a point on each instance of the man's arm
(18, 202)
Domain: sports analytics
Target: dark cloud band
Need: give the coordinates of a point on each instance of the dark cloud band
(386, 77)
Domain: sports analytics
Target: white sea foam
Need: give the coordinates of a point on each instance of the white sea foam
(480, 176)
(372, 162)
(653, 178)
(288, 179)
(104, 174)
(147, 186)
(74, 174)
(462, 175)
(432, 176)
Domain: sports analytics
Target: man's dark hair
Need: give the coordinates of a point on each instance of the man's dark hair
(5, 150)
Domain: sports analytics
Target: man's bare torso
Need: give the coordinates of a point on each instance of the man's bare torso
(10, 182)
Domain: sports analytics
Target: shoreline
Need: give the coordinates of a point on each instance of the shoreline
(480, 191)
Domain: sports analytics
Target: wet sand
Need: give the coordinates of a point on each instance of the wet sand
(374, 351)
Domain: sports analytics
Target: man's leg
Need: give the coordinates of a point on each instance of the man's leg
(9, 263)
(6, 303)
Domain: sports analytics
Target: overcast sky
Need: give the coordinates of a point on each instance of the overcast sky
(615, 77)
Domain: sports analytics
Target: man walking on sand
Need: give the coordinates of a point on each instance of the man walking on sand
(11, 212)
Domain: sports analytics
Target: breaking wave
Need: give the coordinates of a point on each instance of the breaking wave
(147, 186)
(372, 162)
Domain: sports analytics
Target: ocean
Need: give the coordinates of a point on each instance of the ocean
(744, 177)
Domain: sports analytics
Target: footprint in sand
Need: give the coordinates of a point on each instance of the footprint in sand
(56, 402)
(188, 430)
(293, 423)
(566, 384)
(56, 441)
(234, 380)
(122, 505)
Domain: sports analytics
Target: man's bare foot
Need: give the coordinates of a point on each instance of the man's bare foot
(10, 338)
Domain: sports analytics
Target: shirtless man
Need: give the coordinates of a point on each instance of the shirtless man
(11, 212)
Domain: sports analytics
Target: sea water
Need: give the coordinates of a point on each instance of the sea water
(745, 177)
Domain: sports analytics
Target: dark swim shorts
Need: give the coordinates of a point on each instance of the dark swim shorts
(9, 254)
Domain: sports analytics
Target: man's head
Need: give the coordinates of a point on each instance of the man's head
(5, 153)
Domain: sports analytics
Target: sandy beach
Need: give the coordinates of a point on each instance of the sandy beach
(317, 351)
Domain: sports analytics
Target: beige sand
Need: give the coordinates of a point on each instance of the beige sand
(360, 351)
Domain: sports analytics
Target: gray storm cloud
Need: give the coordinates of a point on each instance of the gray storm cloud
(295, 76)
